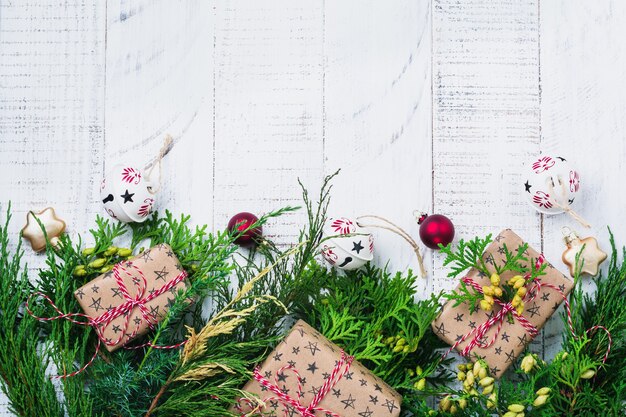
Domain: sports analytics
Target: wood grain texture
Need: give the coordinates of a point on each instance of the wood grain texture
(583, 79)
(378, 117)
(159, 81)
(51, 112)
(485, 118)
(268, 108)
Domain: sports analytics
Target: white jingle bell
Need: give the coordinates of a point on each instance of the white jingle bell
(126, 194)
(349, 246)
(552, 184)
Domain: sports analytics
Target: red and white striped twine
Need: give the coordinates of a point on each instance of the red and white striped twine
(340, 369)
(479, 333)
(100, 323)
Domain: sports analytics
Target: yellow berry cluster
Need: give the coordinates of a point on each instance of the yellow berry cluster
(104, 262)
(398, 344)
(515, 410)
(420, 384)
(474, 376)
(490, 292)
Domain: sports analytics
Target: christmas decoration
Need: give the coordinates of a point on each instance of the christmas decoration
(310, 376)
(126, 194)
(590, 253)
(53, 226)
(551, 186)
(347, 245)
(131, 298)
(435, 229)
(241, 224)
(398, 231)
(370, 313)
(501, 333)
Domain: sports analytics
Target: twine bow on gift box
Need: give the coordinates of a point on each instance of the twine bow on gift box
(294, 404)
(478, 334)
(100, 323)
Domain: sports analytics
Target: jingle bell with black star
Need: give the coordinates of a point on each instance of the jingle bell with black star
(346, 245)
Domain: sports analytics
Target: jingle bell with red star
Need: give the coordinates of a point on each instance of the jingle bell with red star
(346, 245)
(126, 194)
(551, 184)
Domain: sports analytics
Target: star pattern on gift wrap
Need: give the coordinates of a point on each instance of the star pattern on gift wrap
(169, 253)
(490, 315)
(562, 288)
(325, 375)
(291, 363)
(295, 350)
(161, 274)
(96, 304)
(336, 392)
(277, 356)
(154, 311)
(481, 274)
(500, 238)
(458, 337)
(391, 405)
(110, 307)
(282, 377)
(459, 317)
(523, 340)
(137, 320)
(534, 310)
(490, 259)
(374, 399)
(556, 305)
(498, 350)
(510, 357)
(545, 296)
(441, 330)
(314, 390)
(274, 404)
(267, 374)
(472, 324)
(348, 375)
(494, 370)
(505, 336)
(80, 294)
(145, 256)
(95, 289)
(378, 388)
(170, 302)
(366, 413)
(312, 346)
(116, 328)
(363, 382)
(348, 402)
(301, 331)
(312, 367)
(117, 292)
(501, 250)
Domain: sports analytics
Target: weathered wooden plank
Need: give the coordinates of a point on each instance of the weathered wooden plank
(377, 109)
(159, 80)
(268, 108)
(51, 112)
(485, 117)
(583, 77)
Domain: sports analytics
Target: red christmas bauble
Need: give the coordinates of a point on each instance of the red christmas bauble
(436, 229)
(242, 221)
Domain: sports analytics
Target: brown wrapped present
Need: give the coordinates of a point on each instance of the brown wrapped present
(134, 296)
(459, 324)
(305, 352)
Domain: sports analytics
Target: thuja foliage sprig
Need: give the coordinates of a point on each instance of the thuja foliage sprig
(471, 254)
(373, 315)
(22, 368)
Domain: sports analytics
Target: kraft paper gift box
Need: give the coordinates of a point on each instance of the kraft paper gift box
(358, 393)
(160, 268)
(455, 322)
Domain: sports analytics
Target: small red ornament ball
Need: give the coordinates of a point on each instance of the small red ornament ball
(435, 229)
(242, 221)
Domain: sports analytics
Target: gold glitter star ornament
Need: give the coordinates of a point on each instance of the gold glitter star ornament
(591, 257)
(51, 223)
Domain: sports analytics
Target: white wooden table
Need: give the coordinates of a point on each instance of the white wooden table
(429, 104)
